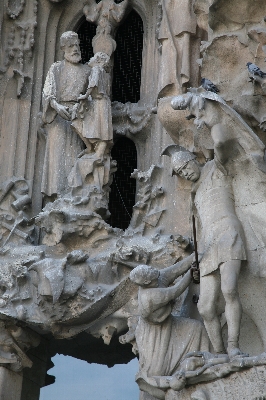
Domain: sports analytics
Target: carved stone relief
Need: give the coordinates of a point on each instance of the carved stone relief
(106, 15)
(179, 37)
(64, 270)
(148, 208)
(130, 119)
(247, 385)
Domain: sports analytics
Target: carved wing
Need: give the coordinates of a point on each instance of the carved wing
(91, 10)
(248, 143)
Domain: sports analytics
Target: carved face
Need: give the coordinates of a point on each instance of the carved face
(100, 59)
(72, 51)
(190, 171)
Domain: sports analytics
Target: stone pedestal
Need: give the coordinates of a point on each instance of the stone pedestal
(246, 385)
(10, 384)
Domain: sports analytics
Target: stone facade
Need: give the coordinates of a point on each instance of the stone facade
(183, 286)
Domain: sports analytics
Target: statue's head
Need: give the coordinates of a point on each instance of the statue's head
(183, 162)
(144, 275)
(69, 43)
(190, 171)
(100, 59)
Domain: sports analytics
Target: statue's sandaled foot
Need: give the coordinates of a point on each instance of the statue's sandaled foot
(235, 352)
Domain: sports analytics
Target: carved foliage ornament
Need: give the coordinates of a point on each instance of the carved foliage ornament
(15, 8)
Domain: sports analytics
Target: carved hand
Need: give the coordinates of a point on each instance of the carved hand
(61, 110)
(195, 274)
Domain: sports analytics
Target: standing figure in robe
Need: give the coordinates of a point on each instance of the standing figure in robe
(64, 82)
(96, 127)
(180, 47)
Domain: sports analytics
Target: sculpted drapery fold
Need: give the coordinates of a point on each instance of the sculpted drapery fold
(180, 47)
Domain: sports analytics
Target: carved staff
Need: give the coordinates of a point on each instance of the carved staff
(195, 266)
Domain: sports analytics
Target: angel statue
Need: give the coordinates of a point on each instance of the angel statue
(228, 201)
(106, 15)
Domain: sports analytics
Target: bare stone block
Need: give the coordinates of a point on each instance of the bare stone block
(10, 384)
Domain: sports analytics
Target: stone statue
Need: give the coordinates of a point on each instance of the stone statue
(106, 15)
(91, 175)
(179, 42)
(217, 187)
(65, 81)
(222, 243)
(164, 339)
(95, 128)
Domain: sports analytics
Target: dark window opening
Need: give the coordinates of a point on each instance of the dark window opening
(126, 87)
(123, 188)
(128, 60)
(86, 32)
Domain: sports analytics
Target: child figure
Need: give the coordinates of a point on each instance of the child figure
(97, 131)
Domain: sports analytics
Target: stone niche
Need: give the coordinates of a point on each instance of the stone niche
(132, 193)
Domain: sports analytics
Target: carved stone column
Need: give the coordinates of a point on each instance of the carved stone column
(10, 384)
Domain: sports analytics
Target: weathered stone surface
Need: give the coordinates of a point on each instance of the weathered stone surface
(106, 15)
(244, 385)
(64, 270)
(11, 384)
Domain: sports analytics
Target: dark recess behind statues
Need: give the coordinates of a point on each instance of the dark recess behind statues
(125, 88)
(123, 188)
